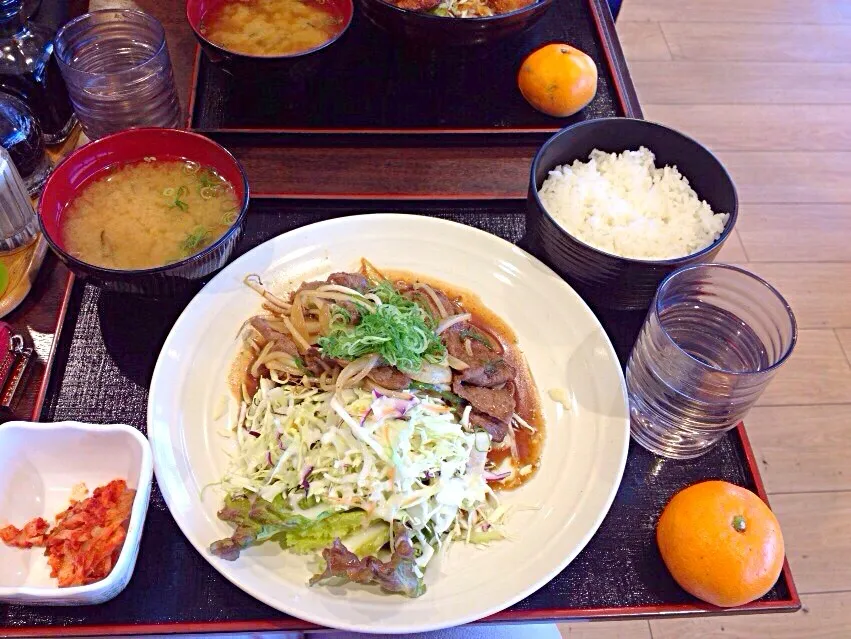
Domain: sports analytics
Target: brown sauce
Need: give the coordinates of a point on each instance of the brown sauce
(529, 444)
(239, 372)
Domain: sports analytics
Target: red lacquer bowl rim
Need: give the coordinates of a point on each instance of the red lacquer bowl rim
(349, 12)
(49, 197)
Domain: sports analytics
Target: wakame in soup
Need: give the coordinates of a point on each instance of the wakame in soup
(270, 27)
(147, 214)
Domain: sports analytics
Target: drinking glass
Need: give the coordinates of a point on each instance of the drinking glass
(116, 66)
(713, 339)
(18, 221)
(21, 136)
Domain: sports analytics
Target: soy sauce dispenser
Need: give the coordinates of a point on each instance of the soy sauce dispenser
(28, 71)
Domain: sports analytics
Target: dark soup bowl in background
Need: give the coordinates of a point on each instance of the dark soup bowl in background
(132, 145)
(254, 68)
(422, 28)
(604, 279)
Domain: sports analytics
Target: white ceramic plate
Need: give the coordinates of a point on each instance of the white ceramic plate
(584, 453)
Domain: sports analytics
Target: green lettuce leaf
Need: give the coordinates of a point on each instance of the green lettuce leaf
(370, 541)
(255, 521)
(317, 535)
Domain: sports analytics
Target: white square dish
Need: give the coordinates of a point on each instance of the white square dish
(39, 466)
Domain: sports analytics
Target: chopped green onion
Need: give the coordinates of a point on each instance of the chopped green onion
(398, 329)
(208, 179)
(194, 240)
(449, 397)
(178, 203)
(299, 364)
(469, 333)
(230, 217)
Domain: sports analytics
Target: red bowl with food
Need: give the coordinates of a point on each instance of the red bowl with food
(149, 211)
(294, 38)
(434, 23)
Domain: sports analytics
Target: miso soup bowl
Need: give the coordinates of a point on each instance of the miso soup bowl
(86, 163)
(612, 281)
(249, 68)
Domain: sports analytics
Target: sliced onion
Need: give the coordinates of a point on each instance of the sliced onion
(452, 321)
(519, 422)
(339, 294)
(254, 282)
(512, 443)
(370, 272)
(457, 364)
(428, 290)
(297, 337)
(338, 288)
(297, 316)
(254, 371)
(282, 366)
(432, 374)
(313, 327)
(328, 380)
(355, 371)
(324, 318)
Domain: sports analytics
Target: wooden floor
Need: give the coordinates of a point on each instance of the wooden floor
(767, 85)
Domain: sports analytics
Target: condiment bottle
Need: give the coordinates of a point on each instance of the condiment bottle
(20, 135)
(28, 71)
(18, 221)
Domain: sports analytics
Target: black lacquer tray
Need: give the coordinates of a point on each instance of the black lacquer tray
(102, 372)
(372, 85)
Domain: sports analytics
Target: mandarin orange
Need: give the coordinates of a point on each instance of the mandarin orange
(721, 543)
(558, 79)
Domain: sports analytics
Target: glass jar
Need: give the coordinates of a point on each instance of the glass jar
(18, 221)
(28, 70)
(21, 136)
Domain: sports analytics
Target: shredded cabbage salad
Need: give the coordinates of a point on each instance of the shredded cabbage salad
(318, 454)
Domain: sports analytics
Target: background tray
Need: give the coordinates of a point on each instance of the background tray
(102, 372)
(396, 90)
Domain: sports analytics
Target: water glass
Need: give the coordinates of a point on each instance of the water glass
(118, 72)
(18, 221)
(713, 339)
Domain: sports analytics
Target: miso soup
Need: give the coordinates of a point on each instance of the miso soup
(270, 27)
(147, 214)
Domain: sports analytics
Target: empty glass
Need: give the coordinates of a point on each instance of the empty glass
(116, 66)
(713, 339)
(18, 221)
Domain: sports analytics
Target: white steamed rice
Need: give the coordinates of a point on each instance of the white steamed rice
(623, 204)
